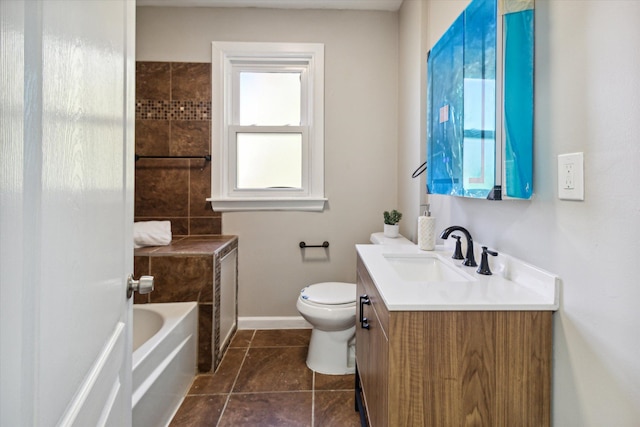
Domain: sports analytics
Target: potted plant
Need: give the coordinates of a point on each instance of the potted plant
(391, 220)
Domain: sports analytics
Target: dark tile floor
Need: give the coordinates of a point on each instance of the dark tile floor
(263, 380)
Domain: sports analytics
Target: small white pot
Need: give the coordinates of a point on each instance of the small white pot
(391, 230)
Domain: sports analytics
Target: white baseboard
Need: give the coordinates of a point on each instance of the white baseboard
(273, 322)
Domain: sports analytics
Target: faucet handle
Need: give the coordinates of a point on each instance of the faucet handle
(484, 261)
(457, 254)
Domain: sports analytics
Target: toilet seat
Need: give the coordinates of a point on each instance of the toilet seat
(334, 294)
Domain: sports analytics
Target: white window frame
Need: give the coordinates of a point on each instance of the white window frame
(227, 58)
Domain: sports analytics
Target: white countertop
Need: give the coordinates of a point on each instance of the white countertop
(515, 285)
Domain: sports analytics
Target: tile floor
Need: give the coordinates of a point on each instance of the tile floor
(264, 381)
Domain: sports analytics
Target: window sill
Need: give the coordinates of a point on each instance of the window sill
(310, 204)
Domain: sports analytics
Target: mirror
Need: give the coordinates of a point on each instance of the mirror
(480, 103)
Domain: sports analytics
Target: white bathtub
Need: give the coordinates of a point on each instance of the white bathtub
(164, 359)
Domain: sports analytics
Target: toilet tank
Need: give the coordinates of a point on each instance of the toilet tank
(380, 239)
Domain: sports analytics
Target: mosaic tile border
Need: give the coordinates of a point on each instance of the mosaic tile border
(147, 109)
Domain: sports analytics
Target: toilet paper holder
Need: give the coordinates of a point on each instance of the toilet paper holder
(303, 245)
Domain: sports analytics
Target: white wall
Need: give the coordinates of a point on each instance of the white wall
(411, 95)
(587, 97)
(361, 74)
(421, 24)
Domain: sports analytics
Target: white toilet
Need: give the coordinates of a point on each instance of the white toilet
(330, 307)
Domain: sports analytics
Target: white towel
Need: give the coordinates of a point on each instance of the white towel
(151, 233)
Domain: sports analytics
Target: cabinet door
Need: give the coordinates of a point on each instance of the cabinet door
(377, 388)
(372, 354)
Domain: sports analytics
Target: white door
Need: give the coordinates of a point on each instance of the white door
(66, 191)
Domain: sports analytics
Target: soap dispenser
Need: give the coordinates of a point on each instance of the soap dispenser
(426, 230)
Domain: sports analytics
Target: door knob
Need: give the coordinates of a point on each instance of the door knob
(144, 285)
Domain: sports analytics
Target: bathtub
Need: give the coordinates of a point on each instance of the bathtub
(164, 359)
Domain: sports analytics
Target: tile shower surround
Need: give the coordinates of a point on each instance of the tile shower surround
(186, 270)
(173, 118)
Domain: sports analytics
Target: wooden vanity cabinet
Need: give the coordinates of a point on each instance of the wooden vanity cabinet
(452, 368)
(372, 348)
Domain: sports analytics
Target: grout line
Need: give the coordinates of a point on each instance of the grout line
(238, 393)
(207, 394)
(189, 198)
(235, 380)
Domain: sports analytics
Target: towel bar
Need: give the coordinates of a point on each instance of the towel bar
(206, 157)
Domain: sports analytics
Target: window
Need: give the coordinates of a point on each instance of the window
(267, 126)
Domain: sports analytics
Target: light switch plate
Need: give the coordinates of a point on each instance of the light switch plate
(571, 176)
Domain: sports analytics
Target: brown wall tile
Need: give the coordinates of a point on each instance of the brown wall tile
(180, 226)
(140, 266)
(140, 299)
(173, 117)
(191, 81)
(152, 137)
(200, 185)
(162, 188)
(206, 293)
(205, 226)
(153, 80)
(205, 327)
(181, 278)
(190, 137)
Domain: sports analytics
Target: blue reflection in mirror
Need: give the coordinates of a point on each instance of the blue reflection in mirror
(465, 119)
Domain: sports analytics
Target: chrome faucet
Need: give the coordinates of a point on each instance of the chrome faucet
(469, 259)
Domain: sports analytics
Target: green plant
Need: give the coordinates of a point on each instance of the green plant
(393, 217)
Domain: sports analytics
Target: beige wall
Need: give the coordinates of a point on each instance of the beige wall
(361, 79)
(586, 96)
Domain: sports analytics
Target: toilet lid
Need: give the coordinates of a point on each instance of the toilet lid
(330, 293)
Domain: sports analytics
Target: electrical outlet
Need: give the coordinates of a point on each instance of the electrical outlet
(571, 176)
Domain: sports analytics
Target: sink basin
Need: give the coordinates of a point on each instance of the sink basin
(425, 268)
